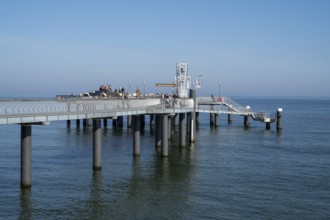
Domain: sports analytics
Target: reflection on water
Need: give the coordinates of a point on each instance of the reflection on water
(26, 205)
(158, 183)
(96, 198)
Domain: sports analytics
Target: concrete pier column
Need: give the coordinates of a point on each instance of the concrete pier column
(142, 122)
(158, 136)
(246, 121)
(129, 121)
(85, 122)
(169, 127)
(114, 122)
(26, 155)
(152, 120)
(78, 123)
(175, 120)
(211, 119)
(192, 95)
(97, 146)
(120, 121)
(188, 123)
(267, 122)
(89, 122)
(173, 124)
(230, 120)
(216, 119)
(182, 129)
(197, 118)
(164, 142)
(136, 135)
(279, 119)
(68, 123)
(105, 122)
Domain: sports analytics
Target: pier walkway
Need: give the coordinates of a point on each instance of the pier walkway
(43, 111)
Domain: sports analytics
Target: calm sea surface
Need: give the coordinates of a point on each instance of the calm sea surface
(229, 173)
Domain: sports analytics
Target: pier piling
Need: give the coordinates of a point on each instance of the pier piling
(230, 120)
(129, 121)
(169, 126)
(182, 130)
(78, 123)
(164, 141)
(192, 95)
(26, 132)
(246, 121)
(97, 147)
(197, 118)
(279, 119)
(211, 119)
(267, 124)
(158, 135)
(152, 121)
(216, 119)
(136, 135)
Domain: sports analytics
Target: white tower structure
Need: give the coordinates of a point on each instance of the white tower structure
(183, 81)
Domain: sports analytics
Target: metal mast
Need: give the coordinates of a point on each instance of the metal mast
(182, 80)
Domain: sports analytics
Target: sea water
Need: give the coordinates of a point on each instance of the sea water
(229, 172)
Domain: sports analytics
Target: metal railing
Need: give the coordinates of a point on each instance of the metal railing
(82, 106)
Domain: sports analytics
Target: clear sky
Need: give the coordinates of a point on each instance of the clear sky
(254, 47)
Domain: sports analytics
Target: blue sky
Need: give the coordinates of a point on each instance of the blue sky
(254, 47)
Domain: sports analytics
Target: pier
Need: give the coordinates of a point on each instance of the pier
(104, 104)
(162, 110)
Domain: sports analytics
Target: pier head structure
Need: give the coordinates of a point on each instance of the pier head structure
(163, 111)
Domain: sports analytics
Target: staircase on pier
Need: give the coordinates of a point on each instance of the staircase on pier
(225, 105)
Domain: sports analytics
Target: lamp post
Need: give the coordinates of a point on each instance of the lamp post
(129, 86)
(219, 88)
(144, 87)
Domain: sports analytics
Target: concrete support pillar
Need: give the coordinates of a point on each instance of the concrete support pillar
(152, 120)
(230, 120)
(173, 124)
(158, 135)
(169, 127)
(211, 119)
(97, 146)
(164, 142)
(136, 135)
(279, 119)
(267, 125)
(84, 122)
(176, 119)
(188, 123)
(120, 121)
(216, 119)
(114, 122)
(78, 123)
(129, 121)
(68, 123)
(246, 121)
(105, 122)
(89, 122)
(26, 155)
(182, 129)
(197, 118)
(142, 121)
(192, 95)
